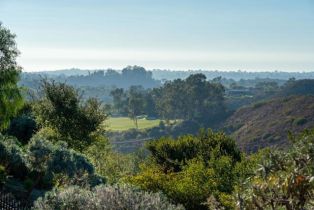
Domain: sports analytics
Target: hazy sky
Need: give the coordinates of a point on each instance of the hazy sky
(168, 34)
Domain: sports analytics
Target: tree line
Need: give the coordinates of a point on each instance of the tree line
(193, 98)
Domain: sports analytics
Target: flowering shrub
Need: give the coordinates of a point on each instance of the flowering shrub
(103, 197)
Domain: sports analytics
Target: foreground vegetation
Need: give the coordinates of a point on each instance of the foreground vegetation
(54, 154)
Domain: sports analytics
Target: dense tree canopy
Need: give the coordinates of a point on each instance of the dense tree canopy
(192, 98)
(298, 87)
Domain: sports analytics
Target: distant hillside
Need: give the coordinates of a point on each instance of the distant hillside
(129, 76)
(267, 123)
(67, 72)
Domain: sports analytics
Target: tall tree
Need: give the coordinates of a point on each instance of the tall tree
(10, 96)
(135, 103)
(119, 100)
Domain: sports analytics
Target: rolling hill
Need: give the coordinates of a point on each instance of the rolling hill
(268, 123)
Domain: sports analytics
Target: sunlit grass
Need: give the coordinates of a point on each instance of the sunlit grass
(124, 123)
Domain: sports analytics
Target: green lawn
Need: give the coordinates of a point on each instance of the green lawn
(124, 123)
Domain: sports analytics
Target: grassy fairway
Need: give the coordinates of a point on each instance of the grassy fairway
(124, 123)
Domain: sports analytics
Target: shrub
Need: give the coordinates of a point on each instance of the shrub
(281, 179)
(259, 104)
(110, 164)
(300, 121)
(22, 127)
(12, 157)
(3, 175)
(69, 198)
(190, 169)
(171, 153)
(58, 165)
(103, 197)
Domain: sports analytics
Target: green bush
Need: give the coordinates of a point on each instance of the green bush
(172, 154)
(190, 169)
(300, 121)
(108, 163)
(23, 128)
(281, 179)
(12, 156)
(55, 164)
(3, 175)
(259, 104)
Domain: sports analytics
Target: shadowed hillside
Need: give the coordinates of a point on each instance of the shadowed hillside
(267, 123)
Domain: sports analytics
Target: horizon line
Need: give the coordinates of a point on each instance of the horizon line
(166, 69)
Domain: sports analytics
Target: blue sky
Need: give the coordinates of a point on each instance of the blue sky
(253, 35)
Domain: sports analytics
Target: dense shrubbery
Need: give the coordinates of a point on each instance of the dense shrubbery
(41, 165)
(12, 156)
(110, 164)
(3, 175)
(191, 168)
(58, 165)
(103, 197)
(205, 171)
(23, 126)
(281, 179)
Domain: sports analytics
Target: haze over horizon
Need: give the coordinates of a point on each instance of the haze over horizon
(249, 35)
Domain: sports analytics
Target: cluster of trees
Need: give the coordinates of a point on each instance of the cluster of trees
(233, 76)
(194, 98)
(130, 75)
(298, 87)
(133, 102)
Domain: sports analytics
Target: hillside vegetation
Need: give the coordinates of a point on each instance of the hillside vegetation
(267, 123)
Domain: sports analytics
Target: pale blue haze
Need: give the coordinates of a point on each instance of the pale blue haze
(253, 35)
